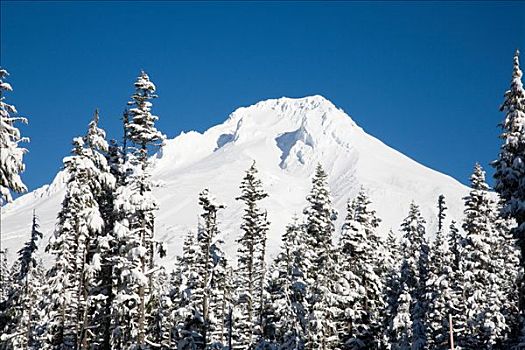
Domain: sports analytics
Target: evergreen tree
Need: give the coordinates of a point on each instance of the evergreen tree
(440, 293)
(361, 250)
(485, 325)
(11, 157)
(455, 241)
(391, 282)
(19, 310)
(11, 164)
(414, 275)
(251, 268)
(29, 278)
(184, 282)
(286, 307)
(78, 221)
(402, 324)
(211, 269)
(507, 254)
(441, 211)
(97, 263)
(322, 274)
(509, 171)
(133, 267)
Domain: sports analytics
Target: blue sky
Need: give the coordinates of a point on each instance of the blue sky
(425, 78)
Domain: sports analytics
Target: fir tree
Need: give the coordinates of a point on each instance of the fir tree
(402, 323)
(455, 240)
(507, 254)
(251, 266)
(133, 268)
(11, 156)
(361, 250)
(322, 274)
(441, 296)
(509, 168)
(185, 304)
(211, 269)
(484, 326)
(441, 211)
(11, 164)
(414, 274)
(19, 310)
(78, 221)
(286, 308)
(391, 282)
(97, 262)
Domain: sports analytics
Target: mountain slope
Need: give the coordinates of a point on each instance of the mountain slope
(287, 138)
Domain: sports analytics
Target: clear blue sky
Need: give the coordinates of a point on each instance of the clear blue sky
(426, 78)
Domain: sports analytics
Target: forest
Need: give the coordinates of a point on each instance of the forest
(460, 287)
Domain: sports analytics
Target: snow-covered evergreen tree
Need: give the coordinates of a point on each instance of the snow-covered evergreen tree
(391, 267)
(11, 154)
(402, 323)
(78, 221)
(286, 307)
(323, 277)
(506, 251)
(251, 270)
(133, 268)
(159, 313)
(455, 241)
(441, 296)
(414, 274)
(210, 268)
(18, 312)
(185, 302)
(509, 168)
(361, 251)
(140, 127)
(97, 262)
(485, 325)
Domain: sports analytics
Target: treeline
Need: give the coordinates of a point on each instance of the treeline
(104, 289)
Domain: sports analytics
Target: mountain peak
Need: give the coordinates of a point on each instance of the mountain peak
(287, 137)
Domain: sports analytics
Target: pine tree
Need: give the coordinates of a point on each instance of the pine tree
(184, 282)
(78, 221)
(19, 310)
(251, 269)
(133, 268)
(11, 164)
(402, 327)
(322, 275)
(414, 275)
(286, 306)
(509, 169)
(441, 296)
(29, 278)
(211, 269)
(441, 211)
(96, 264)
(391, 282)
(361, 250)
(11, 156)
(159, 313)
(485, 325)
(455, 240)
(507, 253)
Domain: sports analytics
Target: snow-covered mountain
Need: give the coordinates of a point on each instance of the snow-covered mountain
(287, 138)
